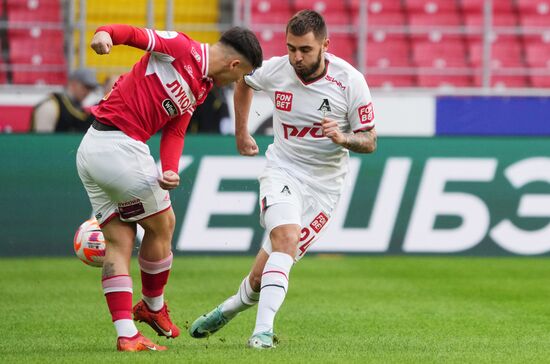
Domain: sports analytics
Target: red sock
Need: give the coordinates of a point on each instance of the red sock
(118, 292)
(154, 276)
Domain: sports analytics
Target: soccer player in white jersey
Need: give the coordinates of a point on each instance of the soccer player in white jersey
(323, 109)
(119, 174)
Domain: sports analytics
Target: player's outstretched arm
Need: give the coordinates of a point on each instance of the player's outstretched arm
(102, 42)
(246, 145)
(360, 142)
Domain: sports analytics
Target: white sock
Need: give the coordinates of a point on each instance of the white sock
(125, 328)
(245, 298)
(154, 303)
(273, 291)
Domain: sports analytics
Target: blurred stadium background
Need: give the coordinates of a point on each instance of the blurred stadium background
(461, 93)
(438, 69)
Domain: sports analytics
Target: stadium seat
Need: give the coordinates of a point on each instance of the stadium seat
(271, 6)
(343, 46)
(474, 24)
(502, 81)
(25, 77)
(444, 81)
(34, 11)
(381, 20)
(535, 20)
(390, 80)
(541, 7)
(503, 54)
(538, 59)
(438, 62)
(430, 6)
(377, 6)
(387, 54)
(439, 55)
(435, 20)
(3, 78)
(273, 43)
(477, 7)
(321, 6)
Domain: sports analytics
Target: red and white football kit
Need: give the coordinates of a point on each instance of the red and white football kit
(306, 170)
(160, 92)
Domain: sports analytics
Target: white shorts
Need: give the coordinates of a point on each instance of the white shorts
(304, 206)
(120, 177)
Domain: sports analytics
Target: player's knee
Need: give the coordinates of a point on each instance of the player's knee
(285, 240)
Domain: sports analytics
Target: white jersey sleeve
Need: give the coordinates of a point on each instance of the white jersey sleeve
(260, 78)
(361, 112)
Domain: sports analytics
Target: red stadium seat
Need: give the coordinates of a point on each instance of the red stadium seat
(343, 46)
(477, 6)
(38, 78)
(278, 19)
(441, 81)
(3, 78)
(34, 11)
(430, 6)
(336, 18)
(377, 6)
(535, 20)
(437, 20)
(503, 54)
(390, 80)
(51, 39)
(538, 59)
(391, 53)
(273, 43)
(439, 55)
(476, 21)
(502, 81)
(270, 6)
(541, 7)
(321, 6)
(382, 20)
(538, 55)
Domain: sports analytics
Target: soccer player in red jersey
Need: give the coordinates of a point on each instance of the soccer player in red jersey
(120, 176)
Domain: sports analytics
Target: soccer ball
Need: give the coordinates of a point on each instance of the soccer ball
(89, 243)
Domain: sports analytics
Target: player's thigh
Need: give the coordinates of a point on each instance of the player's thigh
(126, 171)
(315, 219)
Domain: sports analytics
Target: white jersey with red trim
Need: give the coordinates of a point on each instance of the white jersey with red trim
(340, 94)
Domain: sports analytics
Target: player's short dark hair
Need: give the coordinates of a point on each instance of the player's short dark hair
(245, 43)
(306, 21)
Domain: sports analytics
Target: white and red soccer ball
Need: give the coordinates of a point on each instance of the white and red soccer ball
(89, 243)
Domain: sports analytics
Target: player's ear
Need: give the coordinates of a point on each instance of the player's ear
(326, 43)
(234, 64)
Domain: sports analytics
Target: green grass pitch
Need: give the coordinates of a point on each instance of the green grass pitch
(338, 310)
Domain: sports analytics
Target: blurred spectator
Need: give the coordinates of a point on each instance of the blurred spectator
(64, 112)
(213, 115)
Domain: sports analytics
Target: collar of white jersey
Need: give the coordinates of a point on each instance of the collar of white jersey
(204, 51)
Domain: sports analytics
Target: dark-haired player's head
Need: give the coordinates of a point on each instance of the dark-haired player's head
(306, 40)
(238, 53)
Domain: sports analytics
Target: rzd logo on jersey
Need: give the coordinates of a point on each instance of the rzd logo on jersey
(283, 100)
(366, 113)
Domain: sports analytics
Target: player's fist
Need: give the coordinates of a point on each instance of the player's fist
(332, 131)
(102, 42)
(246, 145)
(169, 180)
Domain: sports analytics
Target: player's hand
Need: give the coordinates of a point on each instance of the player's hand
(246, 145)
(332, 131)
(102, 42)
(169, 180)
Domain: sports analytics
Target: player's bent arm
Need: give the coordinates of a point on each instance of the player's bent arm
(123, 34)
(361, 142)
(242, 100)
(246, 145)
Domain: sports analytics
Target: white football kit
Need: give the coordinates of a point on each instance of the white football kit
(305, 169)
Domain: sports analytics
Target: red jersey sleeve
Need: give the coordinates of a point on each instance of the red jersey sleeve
(167, 42)
(171, 142)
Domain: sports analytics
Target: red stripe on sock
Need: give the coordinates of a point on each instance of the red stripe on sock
(152, 285)
(276, 271)
(120, 305)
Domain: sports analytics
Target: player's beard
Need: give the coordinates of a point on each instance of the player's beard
(306, 72)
